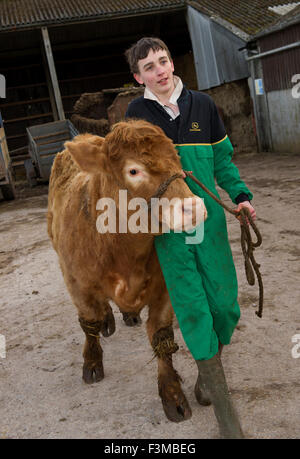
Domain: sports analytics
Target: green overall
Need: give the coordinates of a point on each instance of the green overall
(201, 278)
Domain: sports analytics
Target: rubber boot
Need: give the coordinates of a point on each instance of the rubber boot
(200, 392)
(214, 384)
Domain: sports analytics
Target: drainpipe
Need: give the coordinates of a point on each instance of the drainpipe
(274, 51)
(251, 83)
(260, 106)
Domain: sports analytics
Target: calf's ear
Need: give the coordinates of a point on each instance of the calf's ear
(90, 158)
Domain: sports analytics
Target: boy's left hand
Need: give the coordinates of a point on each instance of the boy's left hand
(249, 207)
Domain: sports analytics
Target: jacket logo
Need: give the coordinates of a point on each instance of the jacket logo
(195, 127)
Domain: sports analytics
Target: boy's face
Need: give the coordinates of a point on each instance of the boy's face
(156, 73)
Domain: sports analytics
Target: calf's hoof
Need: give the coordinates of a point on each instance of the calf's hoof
(131, 319)
(177, 410)
(92, 373)
(173, 400)
(108, 325)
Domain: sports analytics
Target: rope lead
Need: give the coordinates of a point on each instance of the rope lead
(248, 246)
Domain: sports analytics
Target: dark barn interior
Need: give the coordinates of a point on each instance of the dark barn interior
(88, 57)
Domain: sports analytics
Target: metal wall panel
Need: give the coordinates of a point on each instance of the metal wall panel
(280, 38)
(203, 50)
(231, 62)
(284, 112)
(279, 68)
(216, 52)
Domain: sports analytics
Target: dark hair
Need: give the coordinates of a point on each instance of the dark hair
(141, 49)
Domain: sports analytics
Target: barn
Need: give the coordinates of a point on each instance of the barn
(274, 55)
(51, 53)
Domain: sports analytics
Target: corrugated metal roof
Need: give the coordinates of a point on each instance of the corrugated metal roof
(289, 19)
(248, 16)
(31, 13)
(284, 9)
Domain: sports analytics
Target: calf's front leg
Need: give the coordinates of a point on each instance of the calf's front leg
(92, 370)
(95, 316)
(92, 353)
(161, 336)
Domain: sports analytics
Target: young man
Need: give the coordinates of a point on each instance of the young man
(201, 279)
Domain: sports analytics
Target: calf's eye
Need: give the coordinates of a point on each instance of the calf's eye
(133, 171)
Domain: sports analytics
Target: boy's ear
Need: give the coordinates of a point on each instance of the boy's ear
(138, 78)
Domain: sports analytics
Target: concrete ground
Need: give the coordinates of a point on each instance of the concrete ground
(42, 394)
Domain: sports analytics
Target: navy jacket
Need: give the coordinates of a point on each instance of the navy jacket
(198, 123)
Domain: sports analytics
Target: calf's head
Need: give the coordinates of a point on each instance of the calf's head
(137, 156)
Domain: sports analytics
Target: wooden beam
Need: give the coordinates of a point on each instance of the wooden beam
(94, 77)
(25, 86)
(32, 117)
(19, 67)
(72, 96)
(88, 59)
(25, 102)
(18, 136)
(18, 151)
(53, 75)
(46, 136)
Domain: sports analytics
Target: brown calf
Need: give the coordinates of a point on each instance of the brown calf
(122, 266)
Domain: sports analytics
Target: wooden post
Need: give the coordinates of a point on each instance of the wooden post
(52, 72)
(49, 85)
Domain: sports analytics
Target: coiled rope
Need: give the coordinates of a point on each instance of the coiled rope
(248, 246)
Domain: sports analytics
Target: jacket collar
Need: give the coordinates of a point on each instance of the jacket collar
(174, 97)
